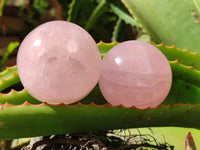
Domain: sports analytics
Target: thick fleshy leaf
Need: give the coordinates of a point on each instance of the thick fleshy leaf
(183, 92)
(8, 77)
(118, 8)
(17, 98)
(34, 120)
(169, 21)
(184, 57)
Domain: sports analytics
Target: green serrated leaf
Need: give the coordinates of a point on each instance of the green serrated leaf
(23, 121)
(170, 22)
(8, 77)
(117, 29)
(182, 92)
(187, 73)
(105, 47)
(184, 57)
(118, 8)
(17, 98)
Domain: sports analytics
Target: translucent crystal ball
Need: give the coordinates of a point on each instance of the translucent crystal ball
(58, 62)
(136, 74)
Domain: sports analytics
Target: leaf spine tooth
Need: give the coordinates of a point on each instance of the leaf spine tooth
(115, 41)
(100, 42)
(190, 67)
(173, 46)
(175, 61)
(107, 104)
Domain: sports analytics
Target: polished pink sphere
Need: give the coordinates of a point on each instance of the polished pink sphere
(135, 73)
(59, 62)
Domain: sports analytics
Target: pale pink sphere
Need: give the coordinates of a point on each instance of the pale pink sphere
(59, 62)
(136, 74)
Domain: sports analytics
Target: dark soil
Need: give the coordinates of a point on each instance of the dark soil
(97, 141)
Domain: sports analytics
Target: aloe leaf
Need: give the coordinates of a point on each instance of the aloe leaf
(11, 47)
(117, 29)
(23, 121)
(17, 98)
(118, 8)
(167, 21)
(182, 92)
(105, 47)
(98, 11)
(73, 10)
(184, 57)
(187, 73)
(8, 77)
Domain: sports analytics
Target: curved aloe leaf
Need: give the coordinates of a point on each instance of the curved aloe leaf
(119, 9)
(183, 92)
(184, 57)
(8, 77)
(170, 22)
(17, 98)
(187, 73)
(34, 120)
(117, 29)
(105, 47)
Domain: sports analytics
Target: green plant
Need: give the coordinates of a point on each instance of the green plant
(23, 116)
(2, 4)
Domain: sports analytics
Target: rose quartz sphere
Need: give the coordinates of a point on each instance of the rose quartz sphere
(59, 62)
(136, 74)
